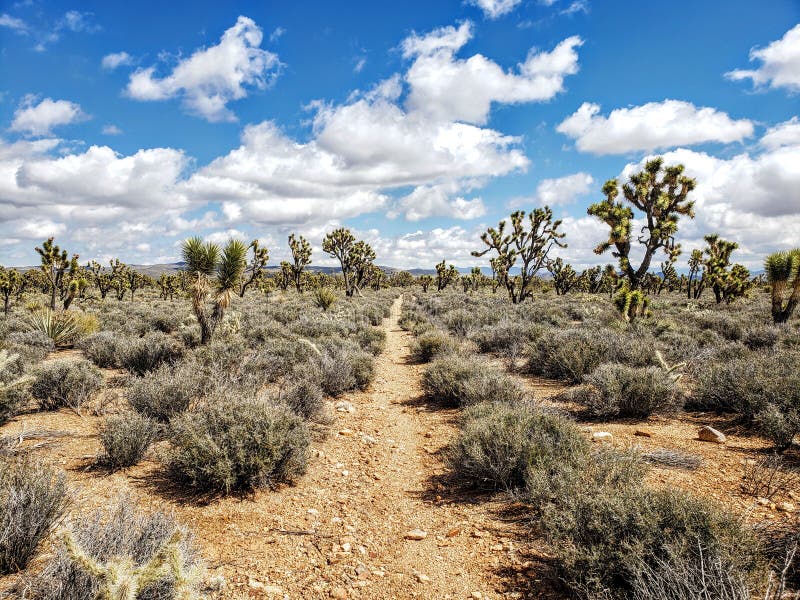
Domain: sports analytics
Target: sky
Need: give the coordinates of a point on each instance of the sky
(126, 127)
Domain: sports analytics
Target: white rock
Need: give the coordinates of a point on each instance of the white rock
(602, 436)
(416, 534)
(709, 434)
(344, 406)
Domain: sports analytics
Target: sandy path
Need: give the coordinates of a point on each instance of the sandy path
(372, 481)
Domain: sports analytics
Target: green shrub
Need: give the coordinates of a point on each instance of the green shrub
(568, 354)
(372, 340)
(64, 383)
(323, 298)
(165, 392)
(102, 348)
(607, 537)
(149, 352)
(230, 444)
(120, 534)
(499, 444)
(62, 327)
(764, 337)
(125, 438)
(614, 390)
(32, 499)
(459, 380)
(430, 344)
(303, 396)
(32, 346)
(340, 369)
(780, 423)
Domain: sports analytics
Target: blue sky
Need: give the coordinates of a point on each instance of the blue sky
(129, 126)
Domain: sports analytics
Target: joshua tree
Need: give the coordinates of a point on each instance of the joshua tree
(726, 284)
(355, 257)
(301, 257)
(255, 267)
(134, 280)
(169, 285)
(401, 279)
(631, 304)
(530, 246)
(10, 283)
(669, 276)
(285, 277)
(564, 276)
(695, 282)
(445, 275)
(425, 281)
(215, 276)
(662, 195)
(783, 273)
(55, 266)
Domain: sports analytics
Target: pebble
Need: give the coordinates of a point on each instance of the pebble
(602, 436)
(786, 507)
(709, 434)
(642, 433)
(344, 406)
(339, 593)
(416, 534)
(476, 595)
(422, 578)
(345, 432)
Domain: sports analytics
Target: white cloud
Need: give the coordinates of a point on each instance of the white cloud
(575, 7)
(562, 190)
(116, 59)
(14, 23)
(448, 88)
(651, 126)
(38, 119)
(276, 34)
(77, 22)
(360, 64)
(429, 201)
(112, 130)
(212, 77)
(780, 64)
(495, 8)
(783, 134)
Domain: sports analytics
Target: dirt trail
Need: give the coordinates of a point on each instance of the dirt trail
(341, 531)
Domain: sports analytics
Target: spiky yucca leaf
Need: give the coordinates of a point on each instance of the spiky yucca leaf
(61, 327)
(200, 257)
(230, 267)
(782, 266)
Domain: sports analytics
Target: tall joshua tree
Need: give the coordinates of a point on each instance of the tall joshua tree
(55, 266)
(783, 273)
(445, 275)
(661, 193)
(255, 267)
(529, 244)
(301, 258)
(355, 257)
(10, 283)
(215, 277)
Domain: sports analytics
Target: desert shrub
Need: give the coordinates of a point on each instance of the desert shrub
(120, 534)
(125, 438)
(64, 383)
(147, 353)
(759, 338)
(165, 392)
(499, 444)
(304, 396)
(61, 327)
(616, 390)
(32, 346)
(229, 444)
(608, 537)
(763, 388)
(32, 498)
(505, 337)
(372, 340)
(362, 365)
(461, 381)
(413, 321)
(339, 369)
(725, 325)
(102, 348)
(323, 298)
(431, 344)
(568, 354)
(165, 321)
(460, 322)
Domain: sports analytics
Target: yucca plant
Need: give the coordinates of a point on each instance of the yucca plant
(324, 298)
(216, 275)
(631, 304)
(783, 271)
(61, 327)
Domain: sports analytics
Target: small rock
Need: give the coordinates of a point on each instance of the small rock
(339, 593)
(344, 406)
(345, 432)
(453, 532)
(422, 578)
(255, 584)
(709, 434)
(313, 511)
(476, 595)
(602, 436)
(642, 433)
(368, 439)
(416, 534)
(787, 507)
(347, 547)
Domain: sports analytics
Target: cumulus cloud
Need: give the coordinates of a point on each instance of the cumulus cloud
(436, 200)
(448, 88)
(116, 59)
(651, 126)
(563, 190)
(212, 77)
(14, 23)
(112, 130)
(783, 134)
(495, 8)
(780, 64)
(37, 119)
